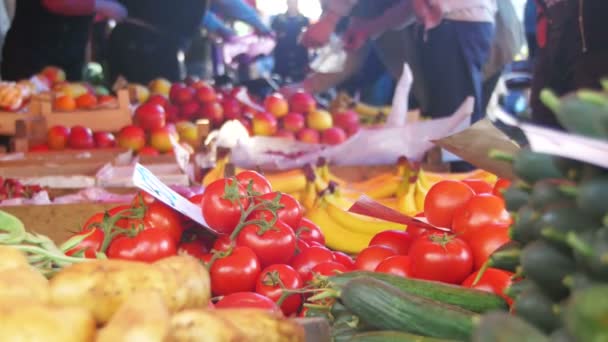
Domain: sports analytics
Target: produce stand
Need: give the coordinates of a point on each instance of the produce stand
(8, 119)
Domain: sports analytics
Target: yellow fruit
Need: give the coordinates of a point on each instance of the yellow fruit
(160, 86)
(287, 181)
(336, 236)
(357, 223)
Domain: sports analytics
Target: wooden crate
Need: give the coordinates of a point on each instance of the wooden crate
(8, 120)
(110, 120)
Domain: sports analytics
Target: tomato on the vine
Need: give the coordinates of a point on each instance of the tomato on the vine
(397, 240)
(482, 211)
(148, 246)
(369, 258)
(249, 300)
(254, 182)
(194, 248)
(223, 243)
(440, 257)
(398, 265)
(90, 245)
(222, 204)
(493, 280)
(142, 198)
(485, 242)
(308, 231)
(415, 231)
(501, 185)
(304, 262)
(328, 268)
(479, 186)
(235, 272)
(345, 260)
(445, 199)
(274, 280)
(290, 210)
(272, 243)
(158, 215)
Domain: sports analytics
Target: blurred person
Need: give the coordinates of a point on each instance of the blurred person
(52, 32)
(290, 57)
(530, 14)
(215, 25)
(243, 11)
(573, 50)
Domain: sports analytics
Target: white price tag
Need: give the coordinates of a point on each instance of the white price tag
(182, 156)
(147, 181)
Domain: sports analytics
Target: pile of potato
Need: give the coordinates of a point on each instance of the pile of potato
(113, 300)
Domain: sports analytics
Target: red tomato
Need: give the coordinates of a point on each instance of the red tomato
(223, 243)
(301, 245)
(394, 239)
(309, 231)
(290, 210)
(440, 257)
(222, 203)
(254, 182)
(269, 284)
(142, 197)
(327, 268)
(415, 231)
(398, 265)
(304, 262)
(90, 245)
(485, 242)
(369, 258)
(482, 211)
(150, 116)
(493, 280)
(444, 199)
(159, 215)
(196, 199)
(149, 245)
(250, 300)
(345, 260)
(479, 186)
(193, 248)
(501, 185)
(273, 244)
(236, 272)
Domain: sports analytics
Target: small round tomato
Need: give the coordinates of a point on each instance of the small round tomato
(440, 257)
(482, 211)
(222, 204)
(223, 243)
(479, 186)
(396, 240)
(149, 245)
(345, 260)
(304, 262)
(290, 211)
(254, 182)
(195, 248)
(270, 284)
(493, 280)
(90, 245)
(369, 258)
(236, 272)
(485, 242)
(444, 199)
(398, 265)
(247, 300)
(309, 232)
(501, 185)
(272, 243)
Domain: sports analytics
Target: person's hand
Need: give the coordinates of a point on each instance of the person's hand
(355, 37)
(318, 34)
(111, 9)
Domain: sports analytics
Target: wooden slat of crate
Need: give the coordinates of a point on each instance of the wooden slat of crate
(110, 120)
(8, 120)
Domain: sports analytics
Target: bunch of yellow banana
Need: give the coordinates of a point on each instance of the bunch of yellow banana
(343, 102)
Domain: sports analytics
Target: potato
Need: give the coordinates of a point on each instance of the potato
(142, 318)
(202, 326)
(11, 257)
(102, 286)
(24, 283)
(22, 322)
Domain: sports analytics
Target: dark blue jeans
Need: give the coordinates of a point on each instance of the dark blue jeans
(453, 56)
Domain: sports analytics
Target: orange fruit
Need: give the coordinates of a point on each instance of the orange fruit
(107, 101)
(86, 101)
(64, 103)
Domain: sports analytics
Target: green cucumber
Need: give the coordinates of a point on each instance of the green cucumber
(591, 251)
(468, 299)
(547, 266)
(516, 288)
(394, 336)
(525, 228)
(506, 257)
(345, 326)
(338, 309)
(561, 335)
(515, 198)
(592, 197)
(532, 167)
(547, 192)
(586, 315)
(556, 222)
(386, 307)
(501, 326)
(570, 168)
(579, 281)
(584, 112)
(535, 307)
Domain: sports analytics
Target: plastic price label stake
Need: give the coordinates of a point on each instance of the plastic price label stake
(147, 181)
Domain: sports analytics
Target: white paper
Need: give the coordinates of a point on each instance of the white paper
(398, 115)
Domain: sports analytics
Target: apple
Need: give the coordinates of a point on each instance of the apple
(333, 136)
(264, 124)
(302, 102)
(150, 116)
(57, 137)
(161, 139)
(345, 119)
(148, 151)
(53, 74)
(159, 86)
(81, 138)
(132, 137)
(171, 112)
(205, 93)
(294, 122)
(212, 111)
(276, 105)
(232, 108)
(352, 129)
(308, 135)
(188, 111)
(187, 132)
(138, 93)
(319, 120)
(158, 99)
(104, 139)
(285, 134)
(181, 94)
